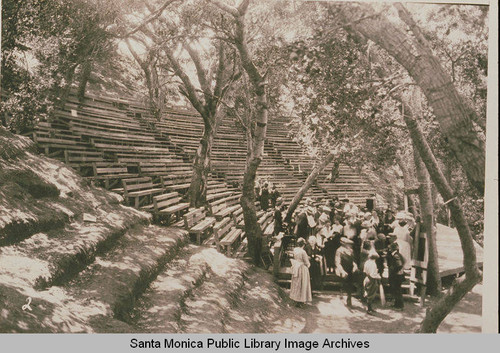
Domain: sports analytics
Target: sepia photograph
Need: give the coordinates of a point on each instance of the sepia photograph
(246, 166)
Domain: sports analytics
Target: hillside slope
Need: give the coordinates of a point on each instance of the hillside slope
(73, 259)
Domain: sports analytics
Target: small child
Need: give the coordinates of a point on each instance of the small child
(371, 281)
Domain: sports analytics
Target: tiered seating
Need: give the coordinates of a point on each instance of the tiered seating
(117, 144)
(111, 174)
(349, 184)
(168, 204)
(140, 191)
(196, 222)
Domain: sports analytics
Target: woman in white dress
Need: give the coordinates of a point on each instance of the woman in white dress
(405, 242)
(300, 288)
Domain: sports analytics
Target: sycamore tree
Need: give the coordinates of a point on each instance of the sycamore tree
(255, 34)
(413, 52)
(185, 38)
(449, 109)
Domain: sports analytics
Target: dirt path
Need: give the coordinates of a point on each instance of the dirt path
(328, 314)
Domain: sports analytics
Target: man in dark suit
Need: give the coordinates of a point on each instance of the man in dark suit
(395, 263)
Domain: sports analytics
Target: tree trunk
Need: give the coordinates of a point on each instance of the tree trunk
(256, 139)
(63, 92)
(427, 214)
(449, 108)
(443, 307)
(84, 79)
(201, 167)
(256, 151)
(408, 180)
(157, 94)
(252, 227)
(307, 184)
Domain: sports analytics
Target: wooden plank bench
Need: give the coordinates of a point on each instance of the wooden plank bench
(168, 204)
(176, 182)
(111, 174)
(139, 191)
(196, 222)
(225, 207)
(231, 240)
(82, 156)
(221, 228)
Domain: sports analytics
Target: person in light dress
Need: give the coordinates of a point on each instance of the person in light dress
(300, 288)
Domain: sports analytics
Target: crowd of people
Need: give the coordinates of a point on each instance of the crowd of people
(359, 245)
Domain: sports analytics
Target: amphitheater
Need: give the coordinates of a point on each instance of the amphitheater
(96, 234)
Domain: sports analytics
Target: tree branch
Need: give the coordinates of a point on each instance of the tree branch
(151, 17)
(200, 72)
(225, 7)
(189, 89)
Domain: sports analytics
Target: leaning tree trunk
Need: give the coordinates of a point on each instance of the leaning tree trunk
(157, 94)
(448, 106)
(427, 213)
(443, 307)
(201, 167)
(307, 184)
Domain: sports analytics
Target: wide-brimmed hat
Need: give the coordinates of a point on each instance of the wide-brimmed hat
(401, 216)
(326, 209)
(346, 241)
(323, 218)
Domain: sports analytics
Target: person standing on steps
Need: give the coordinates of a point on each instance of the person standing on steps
(315, 259)
(302, 225)
(371, 281)
(274, 195)
(395, 263)
(264, 196)
(345, 266)
(300, 288)
(278, 216)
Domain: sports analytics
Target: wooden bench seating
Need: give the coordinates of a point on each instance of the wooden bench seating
(139, 191)
(196, 222)
(111, 174)
(168, 204)
(265, 219)
(176, 182)
(225, 207)
(227, 236)
(82, 156)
